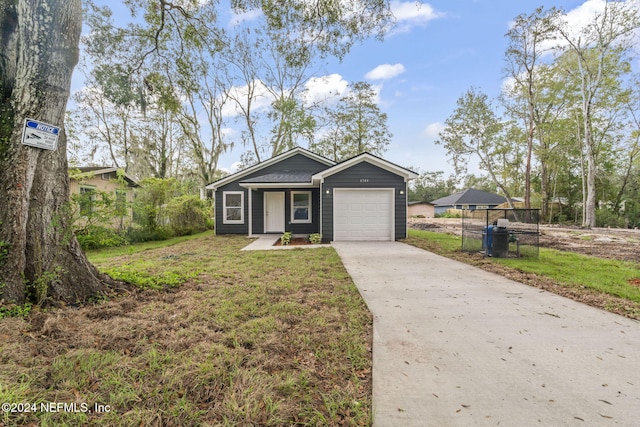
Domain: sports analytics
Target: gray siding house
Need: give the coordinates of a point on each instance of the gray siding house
(470, 199)
(362, 198)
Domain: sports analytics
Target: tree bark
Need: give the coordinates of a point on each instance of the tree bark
(39, 44)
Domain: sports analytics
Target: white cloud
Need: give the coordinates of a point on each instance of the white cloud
(325, 88)
(248, 16)
(229, 132)
(412, 13)
(385, 71)
(582, 15)
(579, 18)
(262, 98)
(433, 130)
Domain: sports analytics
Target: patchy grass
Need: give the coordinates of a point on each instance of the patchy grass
(233, 339)
(603, 283)
(604, 275)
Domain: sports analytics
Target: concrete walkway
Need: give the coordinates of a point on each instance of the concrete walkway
(457, 346)
(265, 242)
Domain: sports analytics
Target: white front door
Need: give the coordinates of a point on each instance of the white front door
(274, 212)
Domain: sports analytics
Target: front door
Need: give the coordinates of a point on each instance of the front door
(274, 212)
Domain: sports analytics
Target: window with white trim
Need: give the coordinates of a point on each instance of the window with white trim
(87, 199)
(233, 207)
(300, 206)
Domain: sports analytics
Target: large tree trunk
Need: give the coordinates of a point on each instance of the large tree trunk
(589, 219)
(39, 42)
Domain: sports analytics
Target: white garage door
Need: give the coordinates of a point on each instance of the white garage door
(363, 214)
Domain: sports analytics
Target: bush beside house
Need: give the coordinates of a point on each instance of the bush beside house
(107, 212)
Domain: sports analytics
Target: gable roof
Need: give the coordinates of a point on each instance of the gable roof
(470, 196)
(369, 158)
(91, 171)
(273, 176)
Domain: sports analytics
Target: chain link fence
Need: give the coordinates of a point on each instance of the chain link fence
(502, 233)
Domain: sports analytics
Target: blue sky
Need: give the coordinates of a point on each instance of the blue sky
(459, 45)
(437, 51)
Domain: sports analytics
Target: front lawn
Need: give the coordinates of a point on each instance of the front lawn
(209, 336)
(609, 284)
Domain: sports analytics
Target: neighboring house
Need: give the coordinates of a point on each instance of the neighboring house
(95, 179)
(470, 199)
(362, 198)
(424, 209)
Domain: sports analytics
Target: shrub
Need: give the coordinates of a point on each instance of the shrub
(149, 208)
(315, 238)
(606, 218)
(285, 239)
(448, 215)
(139, 235)
(188, 215)
(95, 236)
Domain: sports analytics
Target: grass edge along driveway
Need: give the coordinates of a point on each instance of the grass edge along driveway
(607, 284)
(216, 337)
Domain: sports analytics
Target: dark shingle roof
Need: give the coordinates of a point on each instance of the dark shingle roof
(470, 197)
(282, 177)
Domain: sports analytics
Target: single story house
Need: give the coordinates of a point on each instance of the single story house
(90, 181)
(362, 198)
(470, 199)
(424, 209)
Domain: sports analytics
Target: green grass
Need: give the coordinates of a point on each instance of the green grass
(608, 276)
(440, 243)
(565, 268)
(211, 336)
(102, 255)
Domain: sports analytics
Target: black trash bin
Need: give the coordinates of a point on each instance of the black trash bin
(500, 242)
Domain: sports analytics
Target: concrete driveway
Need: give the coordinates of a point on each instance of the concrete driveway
(457, 346)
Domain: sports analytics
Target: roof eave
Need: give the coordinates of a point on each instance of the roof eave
(97, 172)
(276, 184)
(376, 161)
(251, 169)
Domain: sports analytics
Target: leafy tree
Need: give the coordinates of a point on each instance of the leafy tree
(604, 43)
(202, 84)
(268, 67)
(475, 131)
(106, 108)
(356, 125)
(33, 222)
(528, 36)
(430, 186)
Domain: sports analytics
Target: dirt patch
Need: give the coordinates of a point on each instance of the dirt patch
(298, 241)
(605, 243)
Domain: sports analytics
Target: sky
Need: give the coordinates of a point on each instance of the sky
(434, 54)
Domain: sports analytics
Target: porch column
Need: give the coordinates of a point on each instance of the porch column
(250, 190)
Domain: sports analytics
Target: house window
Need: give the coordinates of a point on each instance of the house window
(87, 200)
(301, 206)
(233, 207)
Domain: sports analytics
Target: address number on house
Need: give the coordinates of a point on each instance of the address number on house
(364, 179)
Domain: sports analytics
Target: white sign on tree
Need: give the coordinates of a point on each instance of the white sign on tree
(40, 135)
